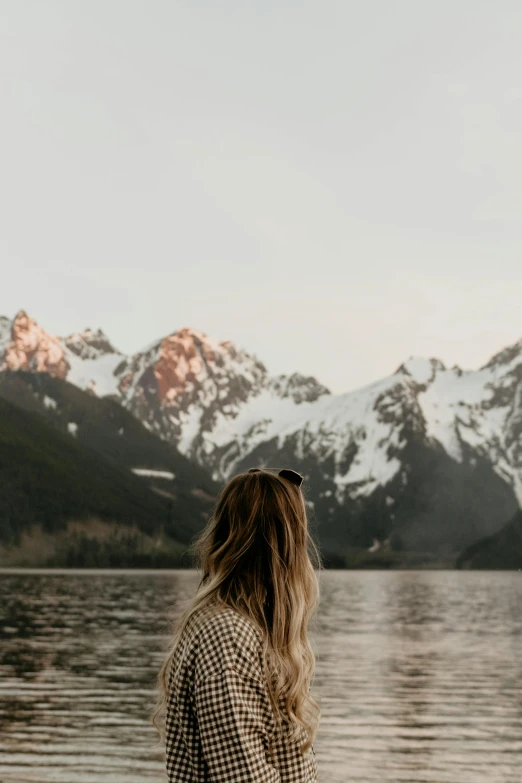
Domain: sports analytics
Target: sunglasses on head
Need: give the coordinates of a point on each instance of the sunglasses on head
(286, 473)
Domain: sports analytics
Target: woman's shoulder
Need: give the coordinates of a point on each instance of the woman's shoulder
(225, 638)
(218, 621)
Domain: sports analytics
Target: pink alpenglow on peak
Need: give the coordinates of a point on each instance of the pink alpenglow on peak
(182, 360)
(186, 362)
(31, 348)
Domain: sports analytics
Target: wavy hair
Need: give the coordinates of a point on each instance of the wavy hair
(256, 555)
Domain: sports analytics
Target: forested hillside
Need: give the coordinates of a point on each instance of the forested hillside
(66, 461)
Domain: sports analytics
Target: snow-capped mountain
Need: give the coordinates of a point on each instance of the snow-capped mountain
(89, 345)
(92, 361)
(430, 451)
(204, 395)
(429, 454)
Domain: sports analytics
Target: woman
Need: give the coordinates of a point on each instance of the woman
(235, 686)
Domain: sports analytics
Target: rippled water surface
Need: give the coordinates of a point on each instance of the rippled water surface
(419, 676)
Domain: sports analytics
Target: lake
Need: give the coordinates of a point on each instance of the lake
(419, 675)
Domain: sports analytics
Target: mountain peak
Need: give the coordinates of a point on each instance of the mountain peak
(32, 348)
(89, 344)
(191, 339)
(420, 369)
(510, 355)
(189, 357)
(185, 335)
(188, 331)
(299, 388)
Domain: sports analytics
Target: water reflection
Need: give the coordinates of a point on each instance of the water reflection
(419, 675)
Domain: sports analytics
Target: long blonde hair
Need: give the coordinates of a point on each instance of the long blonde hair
(255, 555)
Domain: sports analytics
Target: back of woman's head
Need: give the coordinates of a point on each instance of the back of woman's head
(255, 555)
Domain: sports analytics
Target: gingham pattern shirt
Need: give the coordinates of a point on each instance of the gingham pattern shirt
(219, 723)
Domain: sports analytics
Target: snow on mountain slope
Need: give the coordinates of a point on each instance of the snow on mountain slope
(352, 437)
(237, 431)
(356, 440)
(93, 361)
(329, 427)
(479, 411)
(95, 375)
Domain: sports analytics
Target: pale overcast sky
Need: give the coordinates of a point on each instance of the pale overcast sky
(334, 186)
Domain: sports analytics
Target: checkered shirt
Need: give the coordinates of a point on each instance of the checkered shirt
(219, 725)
